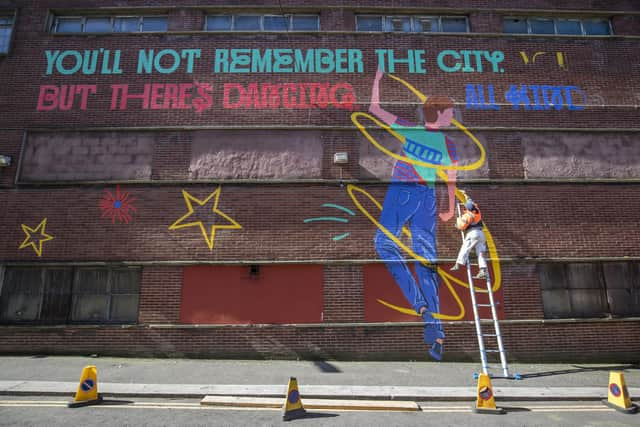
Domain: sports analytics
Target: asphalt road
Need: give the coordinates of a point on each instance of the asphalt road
(52, 411)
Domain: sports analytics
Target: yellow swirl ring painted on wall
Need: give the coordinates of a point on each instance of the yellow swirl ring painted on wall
(372, 140)
(445, 276)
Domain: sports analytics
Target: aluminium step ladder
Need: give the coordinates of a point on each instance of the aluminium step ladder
(497, 335)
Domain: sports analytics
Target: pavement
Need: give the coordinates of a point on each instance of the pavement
(411, 380)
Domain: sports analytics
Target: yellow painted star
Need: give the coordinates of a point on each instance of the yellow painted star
(28, 241)
(208, 237)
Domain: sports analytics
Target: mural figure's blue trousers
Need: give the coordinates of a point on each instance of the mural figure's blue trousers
(413, 204)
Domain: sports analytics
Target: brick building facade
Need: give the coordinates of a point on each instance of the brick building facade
(173, 187)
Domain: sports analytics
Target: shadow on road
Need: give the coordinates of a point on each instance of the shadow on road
(326, 367)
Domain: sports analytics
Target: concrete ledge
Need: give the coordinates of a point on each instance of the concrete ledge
(350, 392)
(342, 404)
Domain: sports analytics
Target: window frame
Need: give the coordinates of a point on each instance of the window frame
(12, 15)
(413, 18)
(108, 294)
(288, 16)
(559, 296)
(555, 19)
(71, 295)
(112, 19)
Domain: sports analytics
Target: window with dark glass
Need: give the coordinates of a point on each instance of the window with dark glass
(542, 26)
(97, 25)
(305, 23)
(60, 295)
(453, 24)
(552, 25)
(105, 295)
(411, 24)
(155, 23)
(66, 24)
(247, 23)
(126, 24)
(515, 26)
(275, 23)
(583, 290)
(568, 26)
(596, 27)
(425, 24)
(401, 24)
(219, 23)
(6, 29)
(369, 23)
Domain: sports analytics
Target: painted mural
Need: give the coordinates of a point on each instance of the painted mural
(35, 237)
(219, 220)
(410, 283)
(118, 207)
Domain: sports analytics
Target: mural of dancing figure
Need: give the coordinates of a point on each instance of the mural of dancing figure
(411, 200)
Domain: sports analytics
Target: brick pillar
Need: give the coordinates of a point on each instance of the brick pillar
(186, 20)
(627, 25)
(160, 295)
(505, 155)
(485, 22)
(343, 293)
(172, 156)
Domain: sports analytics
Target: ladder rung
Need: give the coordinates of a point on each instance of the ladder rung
(489, 335)
(492, 351)
(487, 305)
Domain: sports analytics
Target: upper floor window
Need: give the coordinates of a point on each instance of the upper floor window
(110, 24)
(6, 28)
(563, 26)
(252, 22)
(412, 24)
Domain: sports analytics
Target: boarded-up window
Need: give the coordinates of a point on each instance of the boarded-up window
(60, 295)
(590, 289)
(255, 294)
(87, 156)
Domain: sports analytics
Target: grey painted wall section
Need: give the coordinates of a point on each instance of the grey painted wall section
(256, 154)
(77, 156)
(581, 155)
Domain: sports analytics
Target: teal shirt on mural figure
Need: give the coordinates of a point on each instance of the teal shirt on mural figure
(423, 145)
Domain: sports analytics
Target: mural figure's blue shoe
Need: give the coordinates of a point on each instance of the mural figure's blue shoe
(432, 328)
(436, 351)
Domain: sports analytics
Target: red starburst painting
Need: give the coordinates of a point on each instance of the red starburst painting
(118, 207)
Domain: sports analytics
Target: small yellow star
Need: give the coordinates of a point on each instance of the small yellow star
(40, 229)
(208, 237)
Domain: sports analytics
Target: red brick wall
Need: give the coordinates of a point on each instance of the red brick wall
(528, 220)
(533, 342)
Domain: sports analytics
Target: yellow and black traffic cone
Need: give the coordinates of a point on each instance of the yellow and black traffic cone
(485, 402)
(87, 393)
(618, 397)
(292, 408)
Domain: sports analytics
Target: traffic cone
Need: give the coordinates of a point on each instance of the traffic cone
(618, 397)
(87, 393)
(292, 408)
(485, 403)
